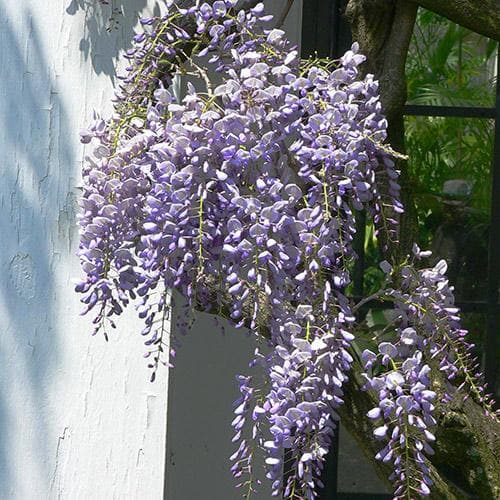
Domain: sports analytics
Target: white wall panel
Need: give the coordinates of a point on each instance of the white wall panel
(78, 417)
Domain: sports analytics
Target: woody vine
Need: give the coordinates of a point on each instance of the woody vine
(243, 195)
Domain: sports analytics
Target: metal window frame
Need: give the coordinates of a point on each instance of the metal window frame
(325, 33)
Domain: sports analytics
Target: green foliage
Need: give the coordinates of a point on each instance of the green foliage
(450, 66)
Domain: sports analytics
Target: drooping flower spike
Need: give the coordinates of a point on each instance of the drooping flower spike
(242, 196)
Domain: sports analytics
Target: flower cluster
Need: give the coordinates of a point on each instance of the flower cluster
(426, 327)
(242, 196)
(424, 299)
(405, 407)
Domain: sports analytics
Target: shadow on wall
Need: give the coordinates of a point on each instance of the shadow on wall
(35, 198)
(101, 20)
(38, 225)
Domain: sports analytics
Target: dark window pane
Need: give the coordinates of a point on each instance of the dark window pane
(450, 169)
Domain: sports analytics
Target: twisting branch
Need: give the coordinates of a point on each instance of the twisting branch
(483, 16)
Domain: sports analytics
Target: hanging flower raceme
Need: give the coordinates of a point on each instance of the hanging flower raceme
(426, 330)
(242, 195)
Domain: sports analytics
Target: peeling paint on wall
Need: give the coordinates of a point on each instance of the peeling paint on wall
(79, 419)
(21, 276)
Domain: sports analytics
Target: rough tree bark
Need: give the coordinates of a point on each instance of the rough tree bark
(383, 29)
(465, 463)
(481, 16)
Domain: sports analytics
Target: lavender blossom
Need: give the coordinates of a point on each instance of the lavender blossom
(243, 195)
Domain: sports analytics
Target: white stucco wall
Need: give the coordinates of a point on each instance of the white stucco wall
(78, 417)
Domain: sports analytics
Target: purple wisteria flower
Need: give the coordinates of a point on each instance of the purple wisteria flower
(242, 196)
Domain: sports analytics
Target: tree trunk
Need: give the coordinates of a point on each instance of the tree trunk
(383, 29)
(465, 464)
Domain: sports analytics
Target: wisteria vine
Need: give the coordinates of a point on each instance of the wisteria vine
(242, 196)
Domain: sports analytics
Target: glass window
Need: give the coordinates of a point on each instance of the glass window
(449, 65)
(450, 170)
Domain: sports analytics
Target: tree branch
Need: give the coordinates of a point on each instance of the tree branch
(464, 464)
(481, 16)
(383, 29)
